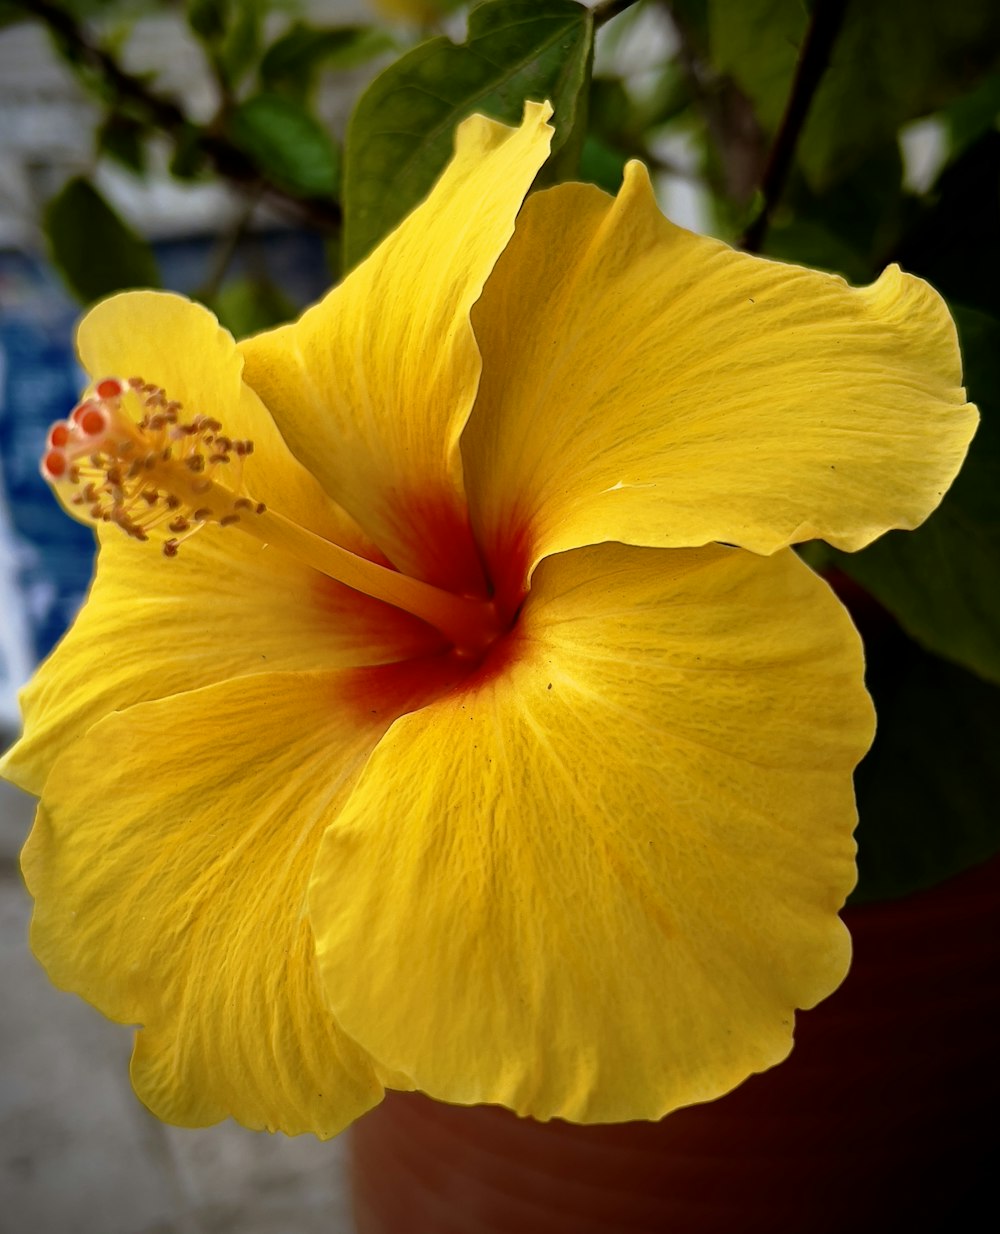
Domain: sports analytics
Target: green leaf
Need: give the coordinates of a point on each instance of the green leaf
(94, 249)
(239, 48)
(895, 60)
(602, 165)
(188, 160)
(892, 61)
(928, 790)
(292, 63)
(11, 13)
(850, 227)
(941, 581)
(812, 244)
(610, 108)
(123, 140)
(973, 114)
(757, 42)
(400, 136)
(208, 18)
(288, 144)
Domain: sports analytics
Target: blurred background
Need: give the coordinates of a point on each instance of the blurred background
(236, 151)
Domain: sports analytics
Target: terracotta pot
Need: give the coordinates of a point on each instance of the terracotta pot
(881, 1120)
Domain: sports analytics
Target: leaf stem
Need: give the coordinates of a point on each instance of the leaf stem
(814, 58)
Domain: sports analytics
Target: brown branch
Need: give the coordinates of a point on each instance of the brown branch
(606, 9)
(814, 58)
(163, 114)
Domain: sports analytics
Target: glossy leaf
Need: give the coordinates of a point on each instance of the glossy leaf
(287, 143)
(401, 133)
(95, 250)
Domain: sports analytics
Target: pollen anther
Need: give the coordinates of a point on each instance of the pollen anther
(132, 463)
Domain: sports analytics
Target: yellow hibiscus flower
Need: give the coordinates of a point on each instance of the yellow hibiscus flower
(480, 733)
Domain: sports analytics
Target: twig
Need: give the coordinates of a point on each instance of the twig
(814, 57)
(728, 115)
(226, 251)
(164, 114)
(606, 9)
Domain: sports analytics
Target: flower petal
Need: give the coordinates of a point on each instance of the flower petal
(372, 386)
(647, 385)
(170, 892)
(596, 884)
(180, 346)
(226, 606)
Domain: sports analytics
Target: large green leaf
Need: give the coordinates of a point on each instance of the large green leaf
(400, 136)
(287, 143)
(928, 790)
(893, 60)
(94, 249)
(942, 581)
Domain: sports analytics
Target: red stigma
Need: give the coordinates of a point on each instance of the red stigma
(59, 434)
(109, 388)
(54, 464)
(92, 420)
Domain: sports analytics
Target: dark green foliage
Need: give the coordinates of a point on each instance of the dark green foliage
(293, 62)
(928, 790)
(402, 130)
(245, 306)
(942, 580)
(894, 60)
(208, 18)
(96, 252)
(287, 143)
(123, 140)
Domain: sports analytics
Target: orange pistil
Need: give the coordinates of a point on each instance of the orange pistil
(128, 458)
